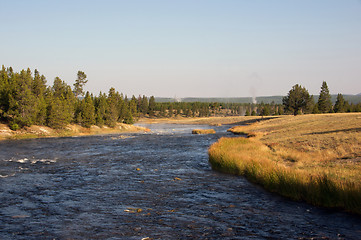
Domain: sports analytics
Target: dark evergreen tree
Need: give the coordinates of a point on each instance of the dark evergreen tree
(151, 107)
(162, 112)
(87, 111)
(144, 105)
(4, 93)
(311, 106)
(79, 84)
(247, 112)
(61, 102)
(100, 108)
(112, 112)
(297, 100)
(170, 110)
(133, 108)
(128, 117)
(39, 91)
(266, 110)
(22, 100)
(58, 112)
(340, 104)
(122, 104)
(324, 103)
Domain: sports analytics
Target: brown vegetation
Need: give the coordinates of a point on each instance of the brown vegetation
(203, 131)
(316, 158)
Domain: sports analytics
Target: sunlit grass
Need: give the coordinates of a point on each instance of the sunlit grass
(203, 131)
(316, 158)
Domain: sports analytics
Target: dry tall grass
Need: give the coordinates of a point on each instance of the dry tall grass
(203, 131)
(316, 158)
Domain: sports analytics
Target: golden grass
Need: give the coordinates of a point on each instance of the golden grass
(71, 130)
(316, 158)
(203, 131)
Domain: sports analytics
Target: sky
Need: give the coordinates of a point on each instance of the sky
(187, 48)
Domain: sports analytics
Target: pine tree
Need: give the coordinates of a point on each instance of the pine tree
(324, 103)
(133, 108)
(60, 104)
(112, 111)
(4, 92)
(100, 109)
(297, 100)
(22, 100)
(266, 110)
(79, 84)
(144, 105)
(87, 111)
(310, 105)
(128, 117)
(39, 90)
(340, 104)
(59, 112)
(39, 84)
(151, 106)
(41, 111)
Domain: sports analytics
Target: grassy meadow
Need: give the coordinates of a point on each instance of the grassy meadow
(314, 158)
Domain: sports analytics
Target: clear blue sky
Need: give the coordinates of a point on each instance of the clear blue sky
(188, 48)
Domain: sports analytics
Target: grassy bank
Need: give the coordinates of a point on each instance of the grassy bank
(71, 130)
(314, 158)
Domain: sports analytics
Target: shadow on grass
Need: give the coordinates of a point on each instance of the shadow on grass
(250, 121)
(335, 131)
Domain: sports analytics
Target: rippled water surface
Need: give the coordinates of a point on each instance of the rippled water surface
(157, 185)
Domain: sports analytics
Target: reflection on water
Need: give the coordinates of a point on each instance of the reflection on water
(157, 185)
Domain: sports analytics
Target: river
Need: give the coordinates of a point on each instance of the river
(157, 185)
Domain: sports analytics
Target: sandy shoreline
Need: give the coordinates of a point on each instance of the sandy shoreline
(76, 130)
(35, 131)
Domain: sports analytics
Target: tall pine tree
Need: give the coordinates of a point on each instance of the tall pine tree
(340, 105)
(87, 111)
(324, 103)
(79, 84)
(297, 100)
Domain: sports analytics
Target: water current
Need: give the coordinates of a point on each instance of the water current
(157, 185)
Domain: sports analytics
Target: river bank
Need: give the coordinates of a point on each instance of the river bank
(35, 131)
(231, 120)
(76, 130)
(313, 158)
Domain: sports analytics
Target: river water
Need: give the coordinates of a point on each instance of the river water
(157, 185)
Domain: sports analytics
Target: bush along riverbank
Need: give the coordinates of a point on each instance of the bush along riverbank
(306, 158)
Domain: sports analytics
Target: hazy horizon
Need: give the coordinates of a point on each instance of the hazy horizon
(188, 48)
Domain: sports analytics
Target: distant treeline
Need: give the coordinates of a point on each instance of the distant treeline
(298, 101)
(270, 99)
(206, 109)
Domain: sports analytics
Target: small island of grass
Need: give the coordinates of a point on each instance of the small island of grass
(203, 131)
